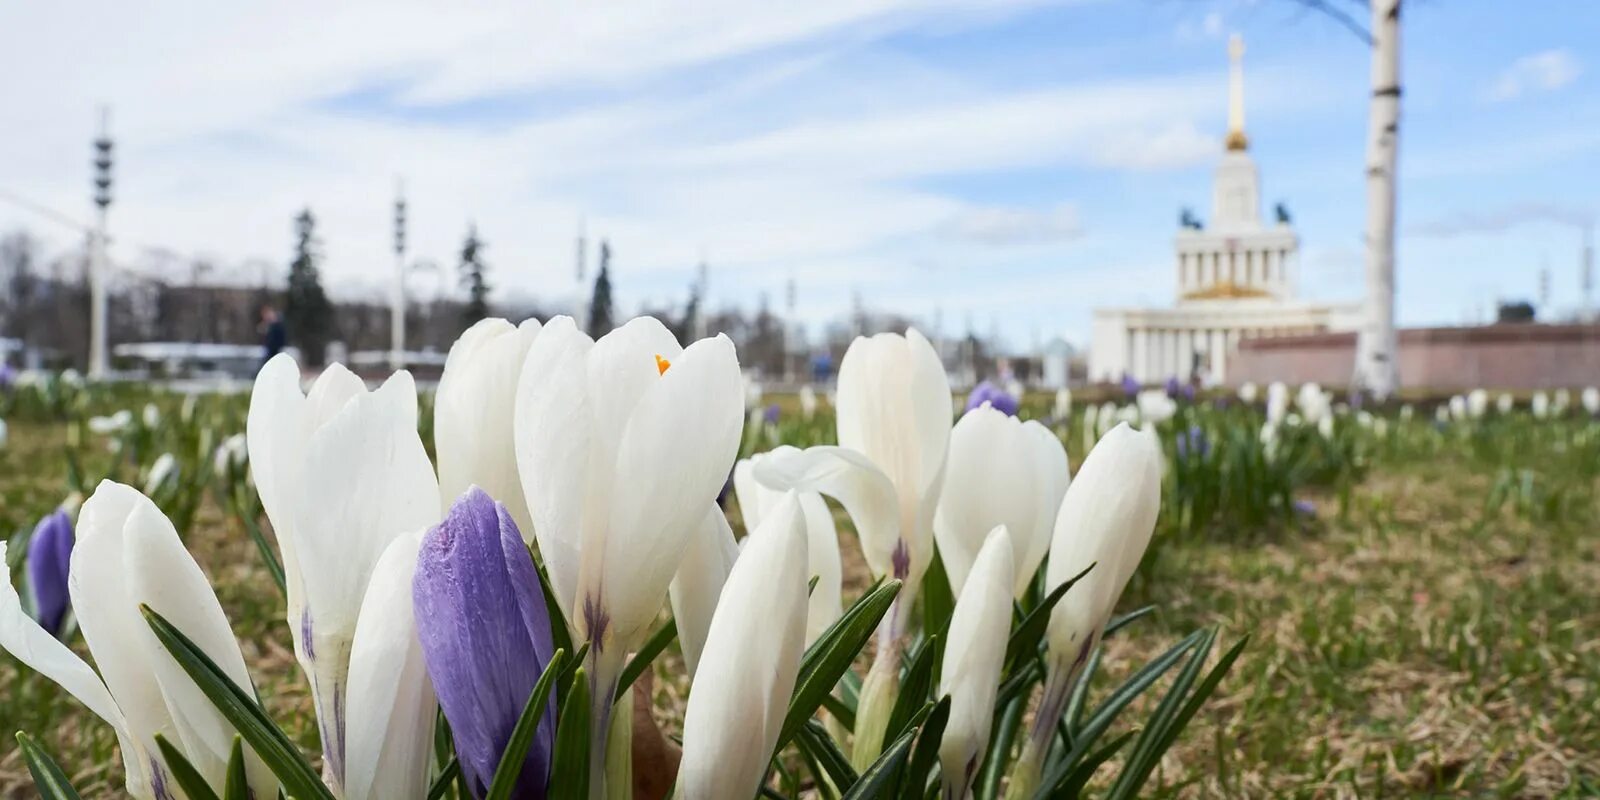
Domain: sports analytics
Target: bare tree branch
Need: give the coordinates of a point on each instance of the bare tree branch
(1339, 15)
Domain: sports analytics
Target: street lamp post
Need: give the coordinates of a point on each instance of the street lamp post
(99, 364)
(397, 297)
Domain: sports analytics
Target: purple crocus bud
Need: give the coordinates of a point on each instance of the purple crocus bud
(49, 554)
(1130, 387)
(771, 414)
(1173, 387)
(996, 397)
(485, 637)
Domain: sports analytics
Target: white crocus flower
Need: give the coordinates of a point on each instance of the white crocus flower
(973, 656)
(1540, 405)
(698, 583)
(808, 402)
(741, 695)
(162, 469)
(1505, 403)
(1248, 392)
(1107, 418)
(1477, 403)
(1155, 406)
(473, 414)
(894, 415)
(1560, 401)
(757, 500)
(622, 445)
(391, 707)
(128, 554)
(342, 474)
(1277, 402)
(1591, 400)
(1001, 471)
(233, 452)
(1105, 520)
(113, 424)
(5, 433)
(151, 416)
(1458, 408)
(1063, 405)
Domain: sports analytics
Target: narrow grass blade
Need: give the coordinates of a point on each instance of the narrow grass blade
(653, 646)
(241, 710)
(880, 778)
(183, 773)
(238, 785)
(274, 568)
(1118, 623)
(1146, 751)
(815, 743)
(1003, 735)
(441, 784)
(569, 775)
(512, 758)
(830, 656)
(915, 688)
(1085, 770)
(48, 779)
(926, 754)
(1024, 641)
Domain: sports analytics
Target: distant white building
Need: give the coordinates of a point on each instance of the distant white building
(1236, 279)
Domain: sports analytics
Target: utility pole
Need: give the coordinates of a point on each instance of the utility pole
(99, 364)
(397, 297)
(702, 279)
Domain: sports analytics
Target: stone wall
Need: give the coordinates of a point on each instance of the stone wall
(1446, 359)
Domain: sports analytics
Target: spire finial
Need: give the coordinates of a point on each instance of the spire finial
(1236, 139)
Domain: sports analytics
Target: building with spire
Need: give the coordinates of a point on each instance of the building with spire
(1235, 278)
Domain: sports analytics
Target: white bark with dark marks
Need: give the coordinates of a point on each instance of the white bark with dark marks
(1376, 368)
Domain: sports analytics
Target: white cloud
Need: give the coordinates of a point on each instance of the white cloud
(1546, 71)
(1001, 226)
(719, 128)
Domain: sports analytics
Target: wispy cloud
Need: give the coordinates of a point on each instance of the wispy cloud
(1000, 226)
(1500, 220)
(1545, 71)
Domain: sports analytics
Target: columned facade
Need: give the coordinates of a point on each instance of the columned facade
(1235, 280)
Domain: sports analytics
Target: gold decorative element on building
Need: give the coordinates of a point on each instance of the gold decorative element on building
(1225, 290)
(1236, 139)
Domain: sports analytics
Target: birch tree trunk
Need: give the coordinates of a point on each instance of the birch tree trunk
(1376, 370)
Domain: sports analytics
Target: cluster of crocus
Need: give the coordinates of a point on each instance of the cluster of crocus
(987, 393)
(128, 555)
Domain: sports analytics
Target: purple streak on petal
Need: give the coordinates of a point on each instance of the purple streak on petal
(49, 559)
(305, 634)
(485, 636)
(596, 620)
(901, 560)
(996, 397)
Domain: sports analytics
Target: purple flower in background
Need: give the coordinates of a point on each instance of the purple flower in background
(995, 396)
(1187, 391)
(1174, 388)
(1130, 387)
(1305, 508)
(485, 634)
(771, 414)
(8, 376)
(49, 555)
(1193, 442)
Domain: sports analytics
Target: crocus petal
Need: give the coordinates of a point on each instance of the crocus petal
(973, 656)
(749, 666)
(553, 440)
(673, 459)
(698, 583)
(43, 653)
(1052, 476)
(49, 557)
(118, 637)
(484, 641)
(367, 481)
(1106, 519)
(391, 707)
(474, 411)
(162, 575)
(822, 539)
(851, 478)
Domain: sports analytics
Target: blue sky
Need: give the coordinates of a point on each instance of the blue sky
(1014, 164)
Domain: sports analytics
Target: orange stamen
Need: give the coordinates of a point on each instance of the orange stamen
(662, 365)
